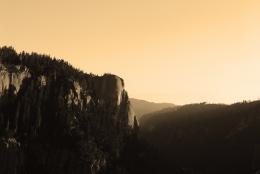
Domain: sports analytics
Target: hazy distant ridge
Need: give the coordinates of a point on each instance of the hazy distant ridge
(142, 107)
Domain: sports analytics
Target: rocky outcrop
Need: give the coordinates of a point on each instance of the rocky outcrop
(110, 91)
(55, 119)
(12, 77)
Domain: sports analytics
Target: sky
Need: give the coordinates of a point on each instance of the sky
(179, 51)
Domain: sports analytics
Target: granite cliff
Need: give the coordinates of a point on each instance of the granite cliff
(55, 119)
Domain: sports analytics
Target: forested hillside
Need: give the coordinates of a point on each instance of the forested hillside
(207, 138)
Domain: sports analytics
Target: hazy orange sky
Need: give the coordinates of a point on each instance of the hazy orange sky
(180, 51)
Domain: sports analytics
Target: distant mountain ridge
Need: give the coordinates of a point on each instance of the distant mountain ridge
(143, 107)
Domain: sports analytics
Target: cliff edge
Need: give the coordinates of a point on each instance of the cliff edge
(56, 119)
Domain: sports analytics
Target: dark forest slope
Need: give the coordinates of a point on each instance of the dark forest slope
(207, 138)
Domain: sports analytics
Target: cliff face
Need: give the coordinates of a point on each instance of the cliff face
(56, 119)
